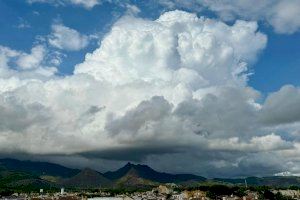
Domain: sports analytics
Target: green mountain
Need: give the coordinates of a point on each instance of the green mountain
(144, 172)
(87, 178)
(31, 176)
(133, 179)
(37, 168)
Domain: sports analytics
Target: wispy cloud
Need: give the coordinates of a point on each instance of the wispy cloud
(66, 38)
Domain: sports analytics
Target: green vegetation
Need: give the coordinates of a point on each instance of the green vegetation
(18, 181)
(53, 179)
(8, 177)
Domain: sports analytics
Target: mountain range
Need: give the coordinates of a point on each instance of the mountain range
(34, 175)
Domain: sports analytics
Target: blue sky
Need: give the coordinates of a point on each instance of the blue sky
(40, 17)
(104, 82)
(278, 64)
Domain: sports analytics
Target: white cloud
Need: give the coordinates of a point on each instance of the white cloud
(177, 42)
(282, 106)
(55, 2)
(65, 38)
(6, 54)
(32, 60)
(23, 24)
(26, 65)
(175, 87)
(283, 15)
(132, 9)
(259, 144)
(88, 4)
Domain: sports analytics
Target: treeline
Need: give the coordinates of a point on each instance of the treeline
(264, 192)
(8, 191)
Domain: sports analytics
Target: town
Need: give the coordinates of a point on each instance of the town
(162, 192)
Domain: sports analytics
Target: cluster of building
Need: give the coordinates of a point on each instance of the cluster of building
(163, 192)
(295, 194)
(62, 195)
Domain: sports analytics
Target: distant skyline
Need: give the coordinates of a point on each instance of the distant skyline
(98, 83)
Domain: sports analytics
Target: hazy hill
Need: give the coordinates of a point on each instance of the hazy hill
(133, 179)
(37, 168)
(147, 173)
(87, 178)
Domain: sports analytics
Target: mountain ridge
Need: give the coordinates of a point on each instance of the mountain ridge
(15, 172)
(37, 167)
(148, 173)
(87, 178)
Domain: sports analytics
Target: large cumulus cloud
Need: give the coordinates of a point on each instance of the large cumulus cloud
(282, 106)
(282, 15)
(162, 92)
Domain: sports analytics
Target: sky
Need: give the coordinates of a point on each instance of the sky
(185, 86)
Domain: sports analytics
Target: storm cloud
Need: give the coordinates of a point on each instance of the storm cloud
(164, 92)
